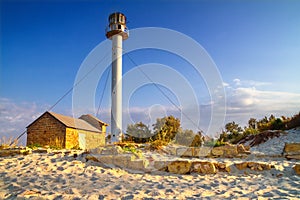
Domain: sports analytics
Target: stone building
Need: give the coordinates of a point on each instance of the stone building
(56, 130)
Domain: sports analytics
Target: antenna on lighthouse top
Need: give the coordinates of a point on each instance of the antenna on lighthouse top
(117, 25)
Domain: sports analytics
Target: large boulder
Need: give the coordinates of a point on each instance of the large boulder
(180, 167)
(203, 167)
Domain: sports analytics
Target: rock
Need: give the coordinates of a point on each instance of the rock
(96, 150)
(217, 151)
(222, 167)
(297, 169)
(122, 160)
(228, 151)
(112, 150)
(257, 166)
(171, 150)
(201, 152)
(161, 165)
(295, 157)
(242, 150)
(90, 157)
(241, 166)
(292, 151)
(292, 148)
(247, 147)
(29, 193)
(184, 152)
(204, 167)
(180, 167)
(139, 165)
(106, 159)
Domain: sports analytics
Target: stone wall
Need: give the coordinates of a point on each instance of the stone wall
(71, 138)
(46, 131)
(92, 139)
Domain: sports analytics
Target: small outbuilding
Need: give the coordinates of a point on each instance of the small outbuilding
(56, 130)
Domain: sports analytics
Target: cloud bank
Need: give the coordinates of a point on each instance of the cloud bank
(243, 101)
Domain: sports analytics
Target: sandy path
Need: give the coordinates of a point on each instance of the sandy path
(64, 177)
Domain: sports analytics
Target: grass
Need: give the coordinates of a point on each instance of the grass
(6, 143)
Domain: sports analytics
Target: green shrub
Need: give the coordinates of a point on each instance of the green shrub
(219, 143)
(34, 146)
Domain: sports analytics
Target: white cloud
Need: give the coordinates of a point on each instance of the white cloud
(225, 84)
(237, 81)
(14, 117)
(245, 101)
(249, 83)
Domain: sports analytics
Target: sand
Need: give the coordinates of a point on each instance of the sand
(275, 145)
(59, 176)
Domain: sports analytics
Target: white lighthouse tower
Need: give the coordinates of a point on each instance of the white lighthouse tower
(117, 32)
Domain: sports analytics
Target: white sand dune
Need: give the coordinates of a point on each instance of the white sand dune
(275, 145)
(59, 176)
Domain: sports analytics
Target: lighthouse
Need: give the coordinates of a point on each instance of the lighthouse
(117, 32)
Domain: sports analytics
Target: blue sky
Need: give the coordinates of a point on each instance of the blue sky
(254, 44)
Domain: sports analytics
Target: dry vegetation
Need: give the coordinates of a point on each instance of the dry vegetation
(6, 143)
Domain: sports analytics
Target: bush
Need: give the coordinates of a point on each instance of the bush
(34, 146)
(219, 143)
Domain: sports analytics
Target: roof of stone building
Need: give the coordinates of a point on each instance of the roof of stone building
(72, 122)
(94, 118)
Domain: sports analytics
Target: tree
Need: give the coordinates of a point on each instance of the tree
(252, 123)
(139, 132)
(166, 128)
(233, 128)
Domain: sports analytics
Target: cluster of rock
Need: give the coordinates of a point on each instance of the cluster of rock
(226, 151)
(115, 156)
(257, 166)
(201, 167)
(230, 151)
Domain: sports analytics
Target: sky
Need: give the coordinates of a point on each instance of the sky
(254, 45)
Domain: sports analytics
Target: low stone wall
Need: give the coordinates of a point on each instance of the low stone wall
(227, 151)
(114, 156)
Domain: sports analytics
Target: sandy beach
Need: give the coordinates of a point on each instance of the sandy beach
(61, 176)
